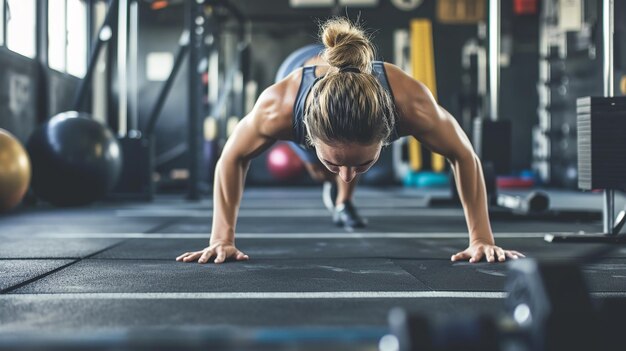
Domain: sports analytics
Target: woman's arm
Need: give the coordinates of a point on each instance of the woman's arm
(423, 118)
(242, 146)
(254, 134)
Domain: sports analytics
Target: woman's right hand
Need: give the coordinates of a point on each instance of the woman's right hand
(220, 250)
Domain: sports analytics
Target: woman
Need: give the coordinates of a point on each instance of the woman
(346, 112)
(337, 194)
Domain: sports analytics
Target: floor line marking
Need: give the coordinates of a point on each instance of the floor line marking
(263, 295)
(291, 204)
(287, 213)
(277, 295)
(371, 235)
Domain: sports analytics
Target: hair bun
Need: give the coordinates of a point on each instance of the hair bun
(346, 45)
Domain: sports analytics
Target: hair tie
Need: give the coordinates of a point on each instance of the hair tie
(349, 69)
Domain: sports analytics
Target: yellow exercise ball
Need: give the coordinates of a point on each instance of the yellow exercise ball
(14, 171)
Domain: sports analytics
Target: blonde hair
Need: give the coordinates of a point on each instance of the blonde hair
(349, 104)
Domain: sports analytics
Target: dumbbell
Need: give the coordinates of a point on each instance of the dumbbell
(535, 202)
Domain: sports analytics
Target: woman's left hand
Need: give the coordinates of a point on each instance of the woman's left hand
(477, 250)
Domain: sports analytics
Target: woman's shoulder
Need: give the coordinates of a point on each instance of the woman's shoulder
(414, 101)
(406, 89)
(273, 110)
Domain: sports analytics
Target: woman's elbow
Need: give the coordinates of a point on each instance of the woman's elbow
(467, 155)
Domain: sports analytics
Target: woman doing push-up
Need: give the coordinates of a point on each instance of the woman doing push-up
(344, 111)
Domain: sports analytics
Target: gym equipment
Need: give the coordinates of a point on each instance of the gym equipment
(408, 154)
(202, 151)
(491, 135)
(88, 166)
(566, 72)
(283, 163)
(535, 202)
(473, 97)
(601, 163)
(601, 128)
(492, 143)
(426, 179)
(143, 147)
(547, 307)
(14, 171)
(423, 69)
(135, 180)
(139, 149)
(75, 160)
(195, 23)
(511, 182)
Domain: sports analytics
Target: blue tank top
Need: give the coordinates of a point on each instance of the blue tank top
(308, 81)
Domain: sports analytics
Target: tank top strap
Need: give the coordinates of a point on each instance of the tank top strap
(308, 81)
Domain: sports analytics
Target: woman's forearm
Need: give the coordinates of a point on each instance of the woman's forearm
(227, 192)
(471, 187)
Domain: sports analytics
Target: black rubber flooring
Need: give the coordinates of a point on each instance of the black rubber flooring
(110, 268)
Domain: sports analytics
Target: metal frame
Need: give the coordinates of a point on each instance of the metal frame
(41, 31)
(133, 41)
(89, 8)
(100, 40)
(111, 54)
(41, 56)
(195, 22)
(193, 50)
(65, 39)
(90, 20)
(122, 72)
(608, 18)
(494, 58)
(4, 22)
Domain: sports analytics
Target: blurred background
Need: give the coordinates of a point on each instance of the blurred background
(125, 64)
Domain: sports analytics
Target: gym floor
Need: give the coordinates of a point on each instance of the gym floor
(111, 268)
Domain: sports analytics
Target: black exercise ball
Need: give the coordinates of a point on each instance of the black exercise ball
(75, 160)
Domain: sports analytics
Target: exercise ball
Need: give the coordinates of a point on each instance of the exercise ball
(283, 163)
(75, 160)
(14, 171)
(297, 59)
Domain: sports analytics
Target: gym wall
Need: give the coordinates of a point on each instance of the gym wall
(21, 106)
(18, 94)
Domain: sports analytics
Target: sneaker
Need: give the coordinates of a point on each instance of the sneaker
(329, 195)
(346, 215)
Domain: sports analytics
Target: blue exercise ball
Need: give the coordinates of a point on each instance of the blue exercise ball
(75, 160)
(297, 59)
